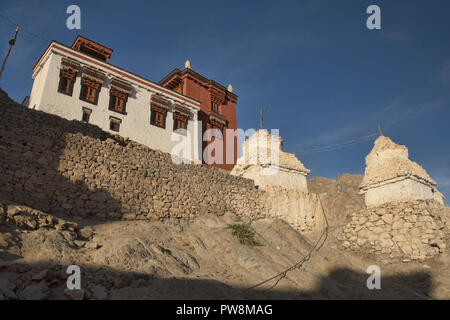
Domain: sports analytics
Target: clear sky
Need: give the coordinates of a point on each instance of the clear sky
(325, 77)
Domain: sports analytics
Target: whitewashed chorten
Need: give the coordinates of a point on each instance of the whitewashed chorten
(390, 176)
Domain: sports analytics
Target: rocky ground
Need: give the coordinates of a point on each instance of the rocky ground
(200, 259)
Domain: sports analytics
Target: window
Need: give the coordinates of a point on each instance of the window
(118, 95)
(66, 81)
(114, 124)
(86, 115)
(69, 70)
(117, 101)
(91, 82)
(159, 106)
(90, 95)
(180, 118)
(215, 107)
(179, 124)
(158, 116)
(90, 91)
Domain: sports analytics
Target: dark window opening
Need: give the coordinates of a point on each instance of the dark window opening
(158, 117)
(66, 82)
(90, 91)
(114, 124)
(118, 101)
(215, 108)
(86, 115)
(180, 121)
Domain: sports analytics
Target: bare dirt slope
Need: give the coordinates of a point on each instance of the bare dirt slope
(198, 259)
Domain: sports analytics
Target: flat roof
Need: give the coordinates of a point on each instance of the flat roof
(144, 81)
(179, 72)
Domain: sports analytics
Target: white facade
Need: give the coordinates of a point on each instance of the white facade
(401, 189)
(135, 124)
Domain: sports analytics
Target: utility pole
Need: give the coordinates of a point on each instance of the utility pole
(11, 43)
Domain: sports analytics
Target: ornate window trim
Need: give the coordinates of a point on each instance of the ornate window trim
(67, 76)
(91, 83)
(118, 95)
(218, 122)
(181, 117)
(158, 114)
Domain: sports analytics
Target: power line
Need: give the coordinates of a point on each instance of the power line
(23, 29)
(337, 146)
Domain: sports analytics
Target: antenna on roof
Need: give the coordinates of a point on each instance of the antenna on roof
(379, 130)
(261, 120)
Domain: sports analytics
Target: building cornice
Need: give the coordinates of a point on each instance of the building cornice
(199, 77)
(81, 57)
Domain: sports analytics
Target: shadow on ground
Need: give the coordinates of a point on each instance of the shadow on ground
(339, 284)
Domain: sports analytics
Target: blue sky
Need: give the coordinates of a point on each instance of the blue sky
(325, 77)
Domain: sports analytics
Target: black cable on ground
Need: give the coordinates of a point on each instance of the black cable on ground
(319, 243)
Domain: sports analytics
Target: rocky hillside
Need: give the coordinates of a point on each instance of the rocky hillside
(197, 259)
(59, 207)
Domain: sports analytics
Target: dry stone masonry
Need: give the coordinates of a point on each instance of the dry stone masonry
(71, 168)
(402, 231)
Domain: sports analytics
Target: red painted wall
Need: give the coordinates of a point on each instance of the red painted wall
(199, 91)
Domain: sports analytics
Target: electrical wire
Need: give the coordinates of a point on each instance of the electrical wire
(337, 146)
(24, 29)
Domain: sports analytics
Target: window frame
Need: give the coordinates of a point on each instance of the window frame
(62, 80)
(176, 121)
(154, 113)
(88, 112)
(85, 90)
(114, 120)
(112, 103)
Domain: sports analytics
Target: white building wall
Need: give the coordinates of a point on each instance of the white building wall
(403, 190)
(39, 82)
(135, 124)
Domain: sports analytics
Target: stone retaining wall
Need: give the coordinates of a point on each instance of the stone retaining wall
(405, 231)
(71, 168)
